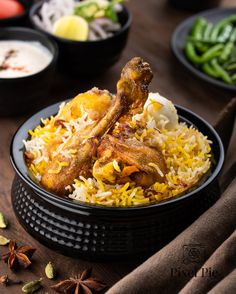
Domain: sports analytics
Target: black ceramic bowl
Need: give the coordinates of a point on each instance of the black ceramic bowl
(98, 232)
(180, 35)
(89, 57)
(19, 19)
(20, 95)
(194, 5)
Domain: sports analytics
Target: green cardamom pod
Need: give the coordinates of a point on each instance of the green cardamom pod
(50, 271)
(32, 286)
(3, 221)
(3, 241)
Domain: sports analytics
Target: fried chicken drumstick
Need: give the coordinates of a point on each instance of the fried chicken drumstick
(121, 157)
(132, 92)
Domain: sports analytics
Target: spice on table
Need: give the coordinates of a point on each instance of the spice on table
(3, 221)
(3, 240)
(50, 271)
(32, 286)
(84, 284)
(4, 280)
(18, 256)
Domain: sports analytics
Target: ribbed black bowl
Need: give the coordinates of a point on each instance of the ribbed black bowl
(98, 232)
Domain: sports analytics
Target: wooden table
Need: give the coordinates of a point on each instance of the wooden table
(153, 23)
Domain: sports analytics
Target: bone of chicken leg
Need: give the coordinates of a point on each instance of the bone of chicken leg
(135, 79)
(131, 94)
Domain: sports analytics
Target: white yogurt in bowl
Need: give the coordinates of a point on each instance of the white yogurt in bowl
(22, 58)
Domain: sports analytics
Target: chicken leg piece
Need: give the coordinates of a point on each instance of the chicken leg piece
(132, 91)
(135, 79)
(121, 157)
(129, 161)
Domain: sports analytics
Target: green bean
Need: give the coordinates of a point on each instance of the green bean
(231, 66)
(207, 68)
(220, 71)
(233, 78)
(226, 32)
(208, 55)
(191, 53)
(220, 25)
(226, 64)
(207, 32)
(213, 52)
(232, 37)
(208, 42)
(229, 62)
(233, 54)
(224, 56)
(198, 26)
(201, 47)
(232, 58)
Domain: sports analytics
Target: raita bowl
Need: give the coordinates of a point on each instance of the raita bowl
(25, 94)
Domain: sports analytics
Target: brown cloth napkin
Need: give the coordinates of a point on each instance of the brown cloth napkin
(202, 259)
(225, 123)
(208, 237)
(227, 285)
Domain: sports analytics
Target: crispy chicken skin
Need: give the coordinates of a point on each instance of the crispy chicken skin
(135, 79)
(132, 92)
(135, 162)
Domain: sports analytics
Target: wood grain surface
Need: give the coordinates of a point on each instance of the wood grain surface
(153, 23)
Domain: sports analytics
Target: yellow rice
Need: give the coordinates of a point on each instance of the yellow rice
(186, 150)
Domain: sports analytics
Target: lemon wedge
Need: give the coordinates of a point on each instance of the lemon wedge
(71, 27)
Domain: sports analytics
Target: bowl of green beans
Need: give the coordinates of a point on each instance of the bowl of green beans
(206, 45)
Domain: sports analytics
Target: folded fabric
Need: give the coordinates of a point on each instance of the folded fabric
(225, 122)
(202, 259)
(222, 262)
(169, 270)
(227, 285)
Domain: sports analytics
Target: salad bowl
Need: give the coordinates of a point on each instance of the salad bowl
(89, 57)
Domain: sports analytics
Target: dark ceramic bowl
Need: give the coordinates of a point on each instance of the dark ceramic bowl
(89, 57)
(98, 232)
(181, 33)
(24, 94)
(194, 5)
(19, 19)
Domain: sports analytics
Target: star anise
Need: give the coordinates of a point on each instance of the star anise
(83, 284)
(18, 256)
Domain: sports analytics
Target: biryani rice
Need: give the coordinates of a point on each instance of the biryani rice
(186, 150)
(188, 157)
